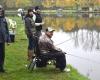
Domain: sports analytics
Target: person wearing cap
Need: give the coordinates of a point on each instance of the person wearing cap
(30, 30)
(47, 47)
(38, 20)
(4, 37)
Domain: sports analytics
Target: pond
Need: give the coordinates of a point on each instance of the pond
(78, 34)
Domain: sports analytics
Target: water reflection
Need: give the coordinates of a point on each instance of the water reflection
(69, 22)
(80, 34)
(87, 39)
(86, 26)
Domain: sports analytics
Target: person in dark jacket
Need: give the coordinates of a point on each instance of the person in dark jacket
(38, 20)
(30, 31)
(4, 37)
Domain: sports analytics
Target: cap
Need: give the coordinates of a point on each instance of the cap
(37, 8)
(49, 30)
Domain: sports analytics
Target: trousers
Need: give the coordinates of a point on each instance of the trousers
(58, 56)
(2, 54)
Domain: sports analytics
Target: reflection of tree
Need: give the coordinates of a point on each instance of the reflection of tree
(98, 40)
(54, 22)
(86, 44)
(75, 34)
(76, 38)
(50, 21)
(89, 43)
(90, 39)
(68, 23)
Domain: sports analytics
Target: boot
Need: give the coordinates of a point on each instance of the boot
(30, 55)
(2, 69)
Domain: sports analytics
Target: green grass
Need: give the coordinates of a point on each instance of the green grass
(16, 59)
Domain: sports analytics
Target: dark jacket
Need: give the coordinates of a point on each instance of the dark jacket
(38, 20)
(4, 32)
(29, 26)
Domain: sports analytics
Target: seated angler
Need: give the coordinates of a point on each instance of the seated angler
(47, 48)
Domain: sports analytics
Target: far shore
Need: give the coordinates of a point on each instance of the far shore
(56, 11)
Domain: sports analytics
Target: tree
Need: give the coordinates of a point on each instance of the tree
(23, 3)
(36, 2)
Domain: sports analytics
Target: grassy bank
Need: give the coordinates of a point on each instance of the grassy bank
(16, 59)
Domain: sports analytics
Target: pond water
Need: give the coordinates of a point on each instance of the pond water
(79, 36)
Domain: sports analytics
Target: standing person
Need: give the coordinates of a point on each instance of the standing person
(38, 20)
(47, 48)
(4, 37)
(22, 14)
(30, 30)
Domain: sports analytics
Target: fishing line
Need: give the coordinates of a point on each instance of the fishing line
(84, 58)
(64, 41)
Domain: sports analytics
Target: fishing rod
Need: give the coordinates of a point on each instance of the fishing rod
(64, 41)
(84, 58)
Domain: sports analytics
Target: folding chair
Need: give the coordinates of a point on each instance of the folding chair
(39, 60)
